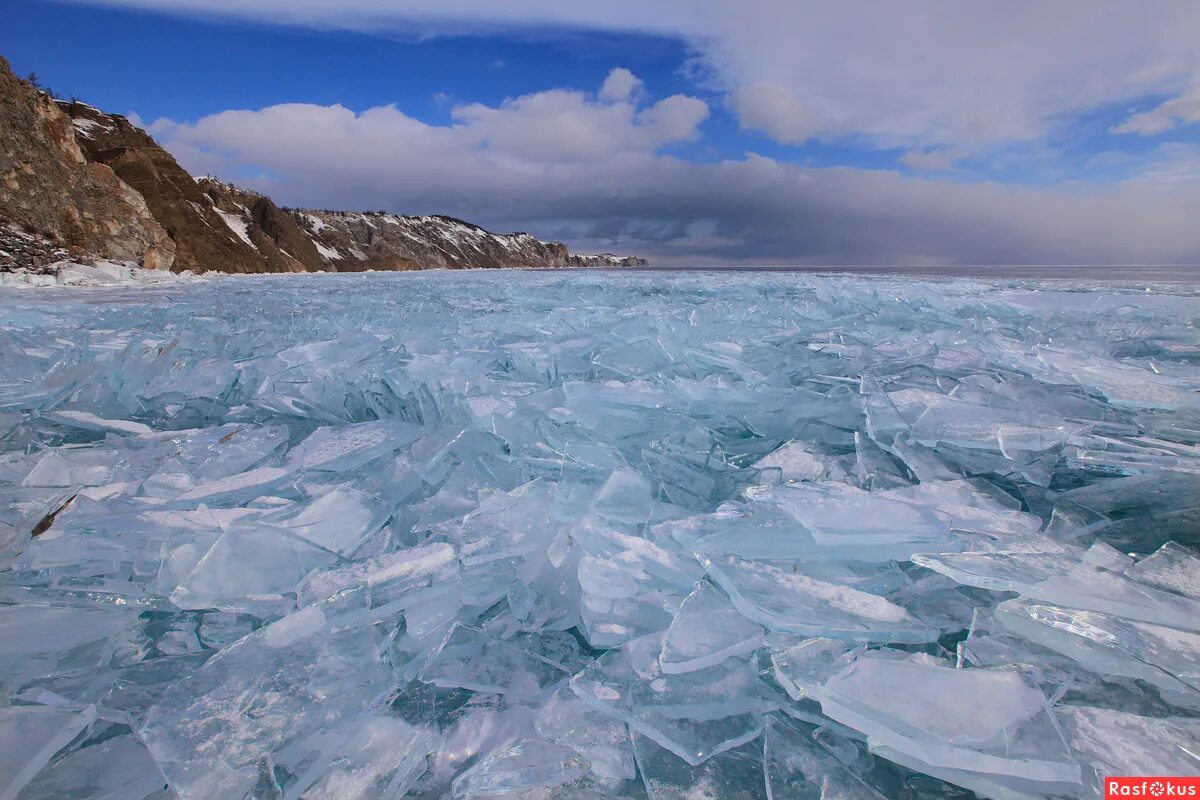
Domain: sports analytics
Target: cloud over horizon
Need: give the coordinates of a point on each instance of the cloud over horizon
(570, 165)
(930, 86)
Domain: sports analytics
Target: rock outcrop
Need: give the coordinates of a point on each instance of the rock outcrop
(76, 178)
(204, 239)
(51, 191)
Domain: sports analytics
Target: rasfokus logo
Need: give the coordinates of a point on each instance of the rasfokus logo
(1152, 787)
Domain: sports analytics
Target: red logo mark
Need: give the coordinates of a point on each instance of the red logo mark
(1151, 787)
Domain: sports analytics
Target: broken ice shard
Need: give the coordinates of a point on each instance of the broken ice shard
(347, 447)
(276, 694)
(602, 741)
(29, 738)
(694, 715)
(1055, 579)
(995, 724)
(830, 522)
(520, 766)
(1109, 645)
(470, 659)
(1109, 742)
(706, 630)
(732, 773)
(787, 600)
(797, 766)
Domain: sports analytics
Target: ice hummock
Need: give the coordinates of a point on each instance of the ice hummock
(575, 536)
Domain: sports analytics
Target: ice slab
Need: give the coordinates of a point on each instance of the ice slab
(792, 602)
(508, 525)
(252, 569)
(826, 522)
(841, 516)
(1108, 645)
(991, 722)
(1172, 567)
(380, 758)
(347, 447)
(520, 766)
(981, 518)
(470, 659)
(1108, 742)
(1123, 382)
(798, 461)
(732, 773)
(395, 580)
(29, 738)
(340, 520)
(91, 422)
(694, 715)
(706, 630)
(796, 766)
(42, 640)
(116, 768)
(1055, 579)
(275, 694)
(951, 421)
(237, 488)
(802, 665)
(601, 740)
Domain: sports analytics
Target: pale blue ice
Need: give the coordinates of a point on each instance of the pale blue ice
(598, 534)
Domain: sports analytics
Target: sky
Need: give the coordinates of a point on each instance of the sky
(692, 133)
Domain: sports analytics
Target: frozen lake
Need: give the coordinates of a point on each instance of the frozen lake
(581, 534)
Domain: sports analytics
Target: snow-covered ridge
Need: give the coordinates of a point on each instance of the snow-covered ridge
(324, 240)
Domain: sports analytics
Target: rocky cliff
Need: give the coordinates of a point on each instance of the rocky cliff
(53, 197)
(77, 180)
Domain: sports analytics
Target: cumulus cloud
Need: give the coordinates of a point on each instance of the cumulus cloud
(547, 128)
(561, 125)
(931, 160)
(917, 74)
(619, 85)
(774, 111)
(1183, 109)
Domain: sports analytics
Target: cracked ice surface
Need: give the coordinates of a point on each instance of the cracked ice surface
(571, 535)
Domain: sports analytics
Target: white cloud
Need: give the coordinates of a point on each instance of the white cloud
(675, 119)
(552, 127)
(918, 74)
(774, 111)
(931, 160)
(619, 85)
(1183, 109)
(562, 125)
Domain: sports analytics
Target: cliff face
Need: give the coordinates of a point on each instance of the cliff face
(203, 238)
(51, 192)
(75, 177)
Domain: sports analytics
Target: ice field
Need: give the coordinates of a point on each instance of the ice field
(579, 535)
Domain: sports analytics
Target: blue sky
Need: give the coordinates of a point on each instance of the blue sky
(775, 134)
